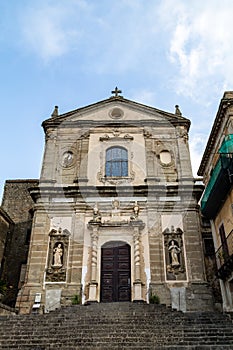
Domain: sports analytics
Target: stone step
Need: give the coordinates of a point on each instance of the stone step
(117, 326)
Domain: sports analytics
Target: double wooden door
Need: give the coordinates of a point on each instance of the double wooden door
(115, 272)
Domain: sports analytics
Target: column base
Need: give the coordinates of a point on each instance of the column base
(93, 292)
(138, 292)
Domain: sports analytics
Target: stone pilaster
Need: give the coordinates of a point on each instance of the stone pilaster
(152, 171)
(82, 175)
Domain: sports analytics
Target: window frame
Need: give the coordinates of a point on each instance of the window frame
(116, 162)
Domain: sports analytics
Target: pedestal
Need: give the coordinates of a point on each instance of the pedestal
(93, 292)
(138, 291)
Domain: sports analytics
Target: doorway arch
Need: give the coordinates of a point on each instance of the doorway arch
(115, 284)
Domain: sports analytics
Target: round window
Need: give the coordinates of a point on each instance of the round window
(116, 113)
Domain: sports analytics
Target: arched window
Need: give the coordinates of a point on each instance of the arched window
(116, 162)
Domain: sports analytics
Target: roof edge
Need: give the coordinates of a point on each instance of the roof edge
(57, 119)
(226, 101)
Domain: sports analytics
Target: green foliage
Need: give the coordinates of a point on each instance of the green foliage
(76, 299)
(154, 299)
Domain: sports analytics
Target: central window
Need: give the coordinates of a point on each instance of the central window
(116, 162)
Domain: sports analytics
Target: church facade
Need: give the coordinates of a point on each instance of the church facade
(116, 214)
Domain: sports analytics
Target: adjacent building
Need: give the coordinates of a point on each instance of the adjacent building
(17, 211)
(217, 202)
(6, 226)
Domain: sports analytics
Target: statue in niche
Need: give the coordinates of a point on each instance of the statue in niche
(57, 255)
(174, 253)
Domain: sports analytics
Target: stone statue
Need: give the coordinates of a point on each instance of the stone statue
(174, 251)
(135, 214)
(57, 255)
(67, 159)
(96, 214)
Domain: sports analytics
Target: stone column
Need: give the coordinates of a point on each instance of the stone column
(94, 238)
(137, 265)
(93, 283)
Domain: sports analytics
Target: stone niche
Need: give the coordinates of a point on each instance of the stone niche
(174, 254)
(57, 255)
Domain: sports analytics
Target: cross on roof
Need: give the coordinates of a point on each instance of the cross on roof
(116, 91)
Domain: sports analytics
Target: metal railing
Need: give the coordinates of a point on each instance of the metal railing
(225, 251)
(224, 164)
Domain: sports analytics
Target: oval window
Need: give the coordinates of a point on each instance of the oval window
(165, 157)
(116, 113)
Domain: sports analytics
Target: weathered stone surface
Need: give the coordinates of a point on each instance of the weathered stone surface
(117, 326)
(19, 206)
(81, 204)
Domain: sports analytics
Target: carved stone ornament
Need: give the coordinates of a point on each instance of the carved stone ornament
(96, 216)
(67, 159)
(181, 132)
(174, 254)
(116, 180)
(57, 255)
(116, 137)
(147, 133)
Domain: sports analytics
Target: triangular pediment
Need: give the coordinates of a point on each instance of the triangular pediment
(116, 109)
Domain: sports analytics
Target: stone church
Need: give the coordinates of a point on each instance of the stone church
(116, 214)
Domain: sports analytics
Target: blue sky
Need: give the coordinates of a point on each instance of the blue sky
(72, 53)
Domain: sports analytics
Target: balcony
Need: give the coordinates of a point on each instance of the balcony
(221, 180)
(224, 258)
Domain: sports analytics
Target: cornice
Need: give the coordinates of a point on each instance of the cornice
(80, 192)
(55, 121)
(225, 103)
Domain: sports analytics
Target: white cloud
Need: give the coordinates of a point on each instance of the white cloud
(146, 97)
(196, 145)
(47, 29)
(135, 36)
(200, 45)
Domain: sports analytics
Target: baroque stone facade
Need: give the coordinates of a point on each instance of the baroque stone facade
(115, 211)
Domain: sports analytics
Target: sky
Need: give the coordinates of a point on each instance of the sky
(72, 53)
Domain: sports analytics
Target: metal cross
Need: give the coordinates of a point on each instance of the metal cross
(116, 91)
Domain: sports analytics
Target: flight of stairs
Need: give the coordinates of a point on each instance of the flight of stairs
(117, 326)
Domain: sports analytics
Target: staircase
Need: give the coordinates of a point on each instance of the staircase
(117, 326)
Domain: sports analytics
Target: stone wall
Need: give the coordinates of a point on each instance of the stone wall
(6, 226)
(18, 204)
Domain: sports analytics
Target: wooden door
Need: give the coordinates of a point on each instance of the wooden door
(115, 272)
